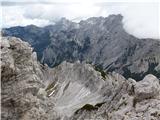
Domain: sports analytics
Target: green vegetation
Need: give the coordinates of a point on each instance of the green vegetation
(99, 68)
(89, 107)
(51, 87)
(99, 104)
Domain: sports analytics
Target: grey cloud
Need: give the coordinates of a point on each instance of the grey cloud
(140, 19)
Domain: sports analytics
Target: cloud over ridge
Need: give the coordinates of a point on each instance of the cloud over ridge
(140, 19)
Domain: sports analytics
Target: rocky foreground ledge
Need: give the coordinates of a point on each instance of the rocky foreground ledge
(70, 91)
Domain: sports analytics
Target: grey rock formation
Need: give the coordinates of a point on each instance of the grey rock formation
(97, 40)
(22, 78)
(70, 91)
(132, 101)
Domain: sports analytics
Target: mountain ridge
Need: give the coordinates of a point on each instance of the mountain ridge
(100, 41)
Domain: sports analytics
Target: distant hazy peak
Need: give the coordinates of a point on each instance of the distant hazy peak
(118, 17)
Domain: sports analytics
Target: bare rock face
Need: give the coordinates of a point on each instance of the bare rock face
(132, 101)
(70, 91)
(22, 78)
(75, 85)
(147, 88)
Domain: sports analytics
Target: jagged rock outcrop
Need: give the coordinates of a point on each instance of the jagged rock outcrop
(70, 91)
(133, 101)
(22, 79)
(97, 40)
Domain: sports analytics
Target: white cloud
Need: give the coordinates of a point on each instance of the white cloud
(140, 19)
(14, 16)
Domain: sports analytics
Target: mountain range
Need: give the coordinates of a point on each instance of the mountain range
(100, 41)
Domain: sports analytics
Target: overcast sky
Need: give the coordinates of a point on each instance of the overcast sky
(140, 18)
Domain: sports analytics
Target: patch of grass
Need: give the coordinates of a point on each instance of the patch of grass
(99, 68)
(99, 104)
(89, 107)
(51, 87)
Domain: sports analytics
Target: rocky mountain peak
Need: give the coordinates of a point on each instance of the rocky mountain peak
(114, 17)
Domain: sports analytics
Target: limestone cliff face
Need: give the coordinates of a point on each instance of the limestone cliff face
(97, 40)
(70, 91)
(22, 80)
